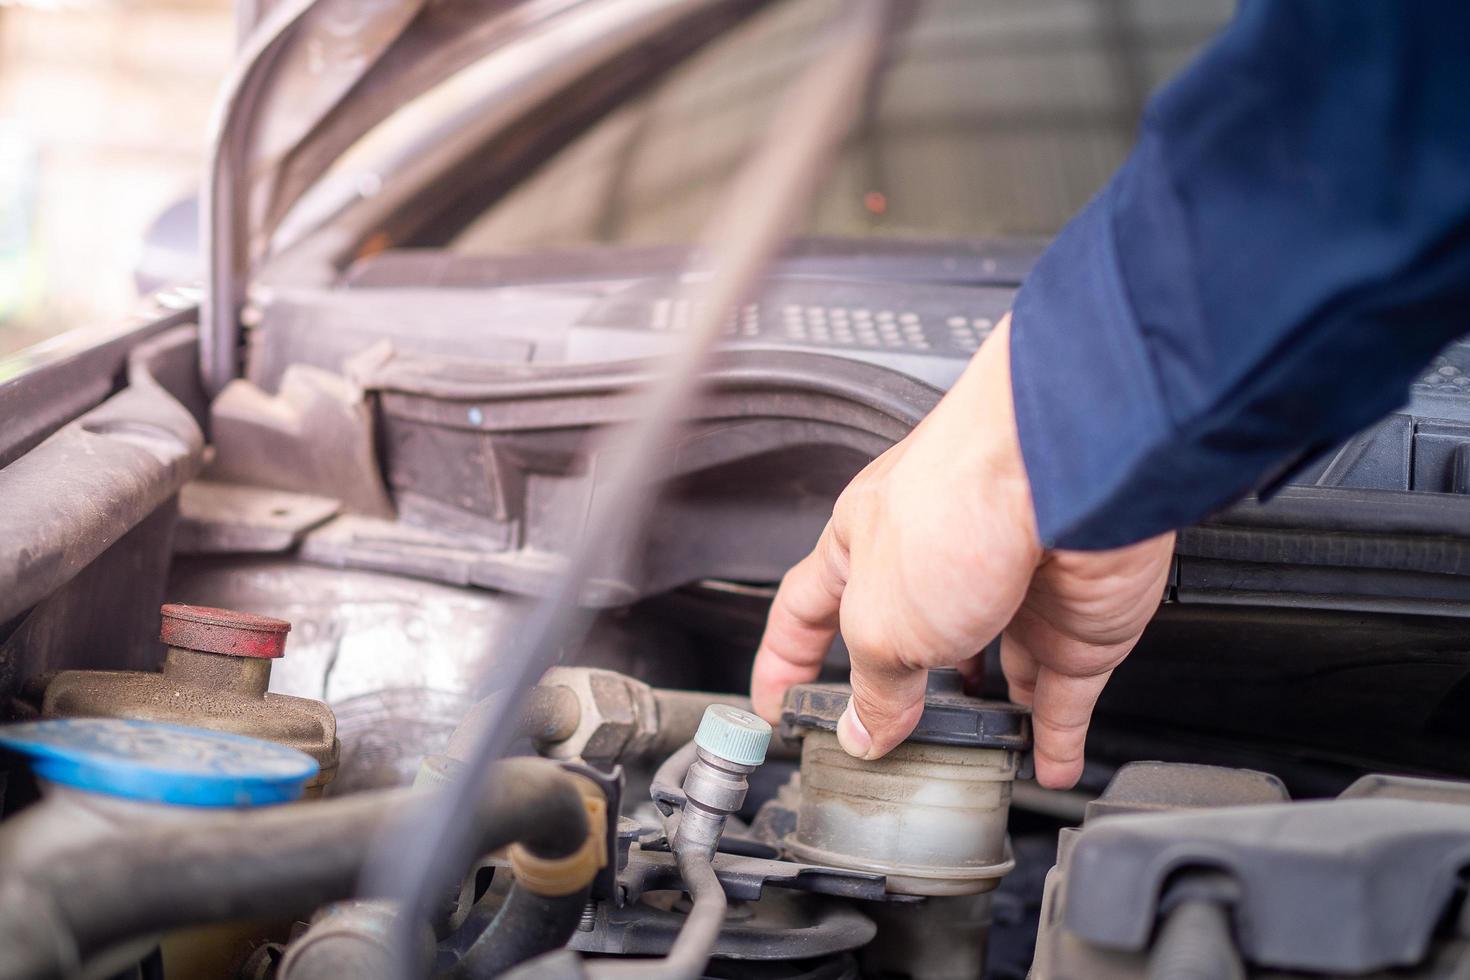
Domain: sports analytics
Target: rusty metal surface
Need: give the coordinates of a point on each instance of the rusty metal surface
(603, 717)
(616, 715)
(175, 696)
(551, 713)
(223, 631)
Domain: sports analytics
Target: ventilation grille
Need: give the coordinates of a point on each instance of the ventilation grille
(942, 321)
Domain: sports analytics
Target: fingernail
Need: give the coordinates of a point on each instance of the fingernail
(851, 734)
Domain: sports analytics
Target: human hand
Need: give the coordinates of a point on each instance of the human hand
(931, 552)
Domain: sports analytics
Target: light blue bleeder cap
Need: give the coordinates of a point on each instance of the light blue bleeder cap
(156, 762)
(733, 735)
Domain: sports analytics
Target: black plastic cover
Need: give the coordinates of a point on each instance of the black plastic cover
(951, 717)
(1387, 867)
(1152, 787)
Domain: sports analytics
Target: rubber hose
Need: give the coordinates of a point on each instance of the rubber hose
(276, 861)
(1195, 944)
(526, 926)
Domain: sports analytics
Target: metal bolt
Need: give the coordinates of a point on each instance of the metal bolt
(588, 922)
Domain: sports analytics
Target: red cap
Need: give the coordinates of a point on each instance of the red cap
(226, 631)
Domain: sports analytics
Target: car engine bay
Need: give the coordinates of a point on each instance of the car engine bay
(350, 542)
(307, 669)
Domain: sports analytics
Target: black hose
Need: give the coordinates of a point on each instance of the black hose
(1195, 943)
(526, 926)
(278, 861)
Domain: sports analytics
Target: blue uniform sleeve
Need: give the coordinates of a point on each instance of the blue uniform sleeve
(1287, 244)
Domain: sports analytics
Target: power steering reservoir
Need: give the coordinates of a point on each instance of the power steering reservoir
(931, 814)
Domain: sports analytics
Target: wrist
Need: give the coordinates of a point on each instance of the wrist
(985, 402)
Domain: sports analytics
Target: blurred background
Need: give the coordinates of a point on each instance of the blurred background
(995, 117)
(104, 106)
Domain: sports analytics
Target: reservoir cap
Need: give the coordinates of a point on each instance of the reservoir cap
(733, 735)
(156, 762)
(223, 631)
(951, 717)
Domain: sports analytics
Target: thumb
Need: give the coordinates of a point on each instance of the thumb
(886, 704)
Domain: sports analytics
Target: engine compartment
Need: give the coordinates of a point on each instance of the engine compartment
(399, 477)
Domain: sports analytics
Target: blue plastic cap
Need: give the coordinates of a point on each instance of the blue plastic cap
(160, 763)
(733, 735)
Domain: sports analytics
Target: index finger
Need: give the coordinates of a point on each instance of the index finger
(801, 625)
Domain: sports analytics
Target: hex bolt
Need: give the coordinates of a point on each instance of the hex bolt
(730, 744)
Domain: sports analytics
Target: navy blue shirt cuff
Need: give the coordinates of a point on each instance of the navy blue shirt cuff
(1284, 249)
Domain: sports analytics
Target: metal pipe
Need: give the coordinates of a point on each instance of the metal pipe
(552, 713)
(691, 951)
(714, 788)
(679, 713)
(667, 785)
(661, 720)
(696, 940)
